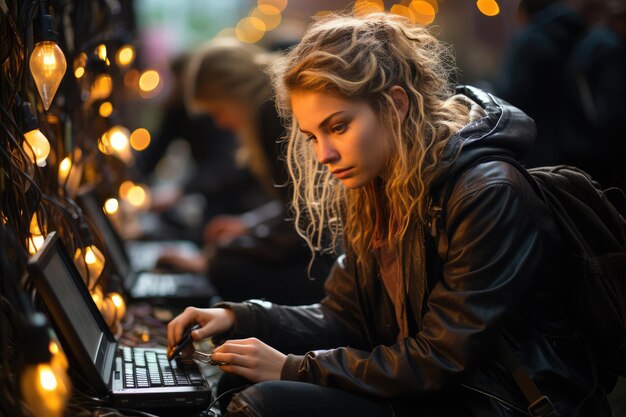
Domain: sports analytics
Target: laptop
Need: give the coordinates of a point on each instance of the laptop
(129, 377)
(176, 289)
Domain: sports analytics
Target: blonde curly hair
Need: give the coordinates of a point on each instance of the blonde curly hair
(361, 58)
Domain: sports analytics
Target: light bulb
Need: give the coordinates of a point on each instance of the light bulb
(116, 141)
(140, 139)
(97, 296)
(109, 312)
(45, 388)
(64, 169)
(125, 56)
(111, 206)
(90, 262)
(47, 65)
(39, 145)
(139, 197)
(58, 356)
(118, 302)
(101, 87)
(36, 236)
(149, 81)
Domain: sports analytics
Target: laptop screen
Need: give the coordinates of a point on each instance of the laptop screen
(84, 334)
(114, 244)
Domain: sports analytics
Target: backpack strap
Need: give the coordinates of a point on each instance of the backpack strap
(539, 405)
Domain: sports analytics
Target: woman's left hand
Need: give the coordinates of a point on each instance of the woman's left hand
(251, 359)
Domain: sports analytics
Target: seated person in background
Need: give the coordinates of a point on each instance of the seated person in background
(225, 186)
(408, 327)
(257, 254)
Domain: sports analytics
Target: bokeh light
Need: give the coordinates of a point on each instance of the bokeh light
(488, 7)
(140, 139)
(149, 81)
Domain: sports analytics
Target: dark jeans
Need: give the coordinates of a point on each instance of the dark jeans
(289, 398)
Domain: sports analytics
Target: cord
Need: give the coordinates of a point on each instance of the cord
(223, 394)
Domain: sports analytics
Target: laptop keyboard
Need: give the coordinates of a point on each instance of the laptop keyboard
(147, 369)
(156, 285)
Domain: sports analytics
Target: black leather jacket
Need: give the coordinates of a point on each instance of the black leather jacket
(500, 272)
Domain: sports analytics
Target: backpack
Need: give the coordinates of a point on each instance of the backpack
(594, 234)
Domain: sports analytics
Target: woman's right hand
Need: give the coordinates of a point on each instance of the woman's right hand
(212, 321)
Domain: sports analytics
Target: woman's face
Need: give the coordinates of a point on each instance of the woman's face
(346, 135)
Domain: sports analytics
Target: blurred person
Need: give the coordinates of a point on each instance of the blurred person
(409, 325)
(225, 186)
(598, 71)
(534, 79)
(258, 253)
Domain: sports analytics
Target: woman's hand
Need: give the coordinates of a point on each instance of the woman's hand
(213, 321)
(251, 359)
(224, 229)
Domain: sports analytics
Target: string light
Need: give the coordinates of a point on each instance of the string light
(116, 141)
(120, 305)
(64, 169)
(36, 236)
(90, 262)
(105, 109)
(423, 11)
(268, 14)
(140, 139)
(101, 87)
(125, 56)
(47, 62)
(250, 29)
(488, 7)
(125, 188)
(111, 206)
(44, 384)
(149, 81)
(279, 4)
(36, 144)
(138, 196)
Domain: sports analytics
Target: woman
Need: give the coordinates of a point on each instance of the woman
(409, 324)
(256, 254)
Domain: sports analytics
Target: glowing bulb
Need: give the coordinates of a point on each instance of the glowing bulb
(125, 188)
(116, 141)
(64, 169)
(79, 72)
(111, 206)
(109, 312)
(48, 65)
(118, 302)
(101, 87)
(424, 11)
(39, 145)
(101, 51)
(250, 29)
(36, 236)
(269, 14)
(97, 296)
(488, 7)
(279, 4)
(137, 196)
(45, 389)
(90, 263)
(125, 56)
(140, 139)
(149, 81)
(58, 356)
(105, 109)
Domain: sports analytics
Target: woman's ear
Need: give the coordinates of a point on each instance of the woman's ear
(400, 100)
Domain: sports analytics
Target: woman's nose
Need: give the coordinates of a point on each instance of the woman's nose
(326, 153)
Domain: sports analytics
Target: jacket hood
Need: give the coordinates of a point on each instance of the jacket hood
(504, 130)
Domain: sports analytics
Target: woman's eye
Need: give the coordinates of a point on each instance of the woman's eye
(339, 128)
(310, 138)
